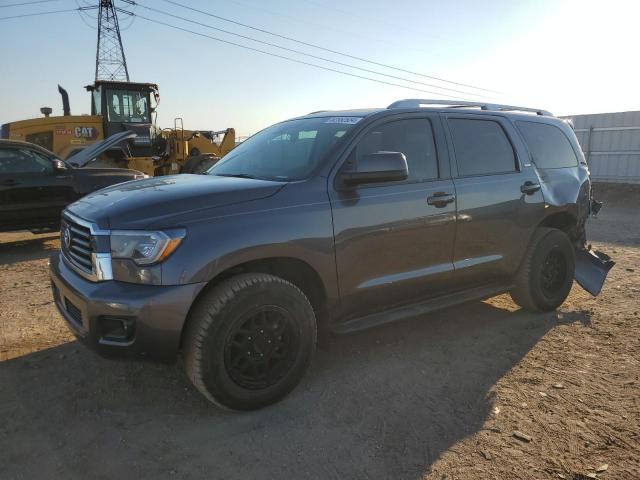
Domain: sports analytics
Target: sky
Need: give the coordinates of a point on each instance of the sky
(566, 56)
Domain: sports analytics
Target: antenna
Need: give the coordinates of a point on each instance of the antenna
(111, 63)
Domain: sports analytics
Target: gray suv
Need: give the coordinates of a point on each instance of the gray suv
(336, 221)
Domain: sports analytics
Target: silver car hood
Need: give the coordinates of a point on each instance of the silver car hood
(85, 155)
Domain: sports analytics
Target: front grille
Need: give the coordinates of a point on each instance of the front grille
(77, 245)
(73, 311)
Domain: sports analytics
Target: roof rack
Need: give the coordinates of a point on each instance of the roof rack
(496, 107)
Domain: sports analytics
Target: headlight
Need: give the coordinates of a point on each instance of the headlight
(145, 248)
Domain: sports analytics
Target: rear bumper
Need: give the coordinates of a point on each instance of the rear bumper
(592, 268)
(151, 316)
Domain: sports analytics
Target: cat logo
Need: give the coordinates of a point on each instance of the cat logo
(85, 132)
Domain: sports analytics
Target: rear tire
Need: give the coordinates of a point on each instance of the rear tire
(249, 341)
(546, 275)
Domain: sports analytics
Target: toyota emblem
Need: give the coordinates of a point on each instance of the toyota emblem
(66, 236)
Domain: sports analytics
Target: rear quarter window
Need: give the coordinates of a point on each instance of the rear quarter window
(549, 146)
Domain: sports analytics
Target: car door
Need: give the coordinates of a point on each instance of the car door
(33, 191)
(17, 204)
(394, 241)
(498, 195)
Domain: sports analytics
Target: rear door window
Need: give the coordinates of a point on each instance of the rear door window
(481, 147)
(549, 146)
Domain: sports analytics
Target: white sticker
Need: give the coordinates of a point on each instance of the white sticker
(344, 120)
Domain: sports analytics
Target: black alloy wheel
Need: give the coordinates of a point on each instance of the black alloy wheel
(249, 340)
(261, 347)
(553, 273)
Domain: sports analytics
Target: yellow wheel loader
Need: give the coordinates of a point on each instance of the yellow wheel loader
(191, 151)
(118, 107)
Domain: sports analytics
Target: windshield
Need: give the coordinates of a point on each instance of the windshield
(285, 151)
(128, 106)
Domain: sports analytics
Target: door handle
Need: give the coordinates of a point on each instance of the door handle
(441, 199)
(529, 188)
(9, 183)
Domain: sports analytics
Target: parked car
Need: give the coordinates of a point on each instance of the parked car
(337, 220)
(35, 185)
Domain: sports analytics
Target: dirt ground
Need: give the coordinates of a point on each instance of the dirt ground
(434, 398)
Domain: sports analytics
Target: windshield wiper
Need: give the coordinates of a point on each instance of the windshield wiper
(247, 175)
(235, 175)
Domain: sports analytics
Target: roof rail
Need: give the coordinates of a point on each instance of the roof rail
(496, 107)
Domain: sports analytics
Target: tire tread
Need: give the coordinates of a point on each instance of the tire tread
(521, 294)
(213, 302)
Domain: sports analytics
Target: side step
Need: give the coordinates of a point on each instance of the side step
(417, 309)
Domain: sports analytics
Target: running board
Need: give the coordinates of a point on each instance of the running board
(417, 309)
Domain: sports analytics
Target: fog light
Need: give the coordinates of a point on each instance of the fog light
(117, 330)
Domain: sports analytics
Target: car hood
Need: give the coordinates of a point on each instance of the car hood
(141, 203)
(107, 172)
(88, 180)
(84, 156)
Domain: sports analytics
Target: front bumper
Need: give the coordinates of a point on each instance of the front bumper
(152, 316)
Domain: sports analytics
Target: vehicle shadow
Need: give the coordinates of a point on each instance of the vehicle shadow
(27, 248)
(381, 404)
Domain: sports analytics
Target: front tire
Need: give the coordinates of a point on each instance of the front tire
(546, 275)
(249, 341)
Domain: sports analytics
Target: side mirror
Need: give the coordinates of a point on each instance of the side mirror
(378, 167)
(59, 165)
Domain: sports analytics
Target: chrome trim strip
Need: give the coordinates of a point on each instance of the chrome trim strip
(102, 266)
(82, 243)
(93, 228)
(78, 270)
(84, 262)
(100, 262)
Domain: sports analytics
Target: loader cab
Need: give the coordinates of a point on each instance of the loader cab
(126, 106)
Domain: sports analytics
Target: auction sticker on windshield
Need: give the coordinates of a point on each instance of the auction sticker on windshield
(344, 120)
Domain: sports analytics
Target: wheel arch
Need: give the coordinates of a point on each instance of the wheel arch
(296, 271)
(562, 220)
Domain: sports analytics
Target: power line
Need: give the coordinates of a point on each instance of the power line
(299, 52)
(27, 3)
(81, 14)
(322, 67)
(39, 13)
(327, 27)
(371, 19)
(85, 6)
(325, 49)
(264, 52)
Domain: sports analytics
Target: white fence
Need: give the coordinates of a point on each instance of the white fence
(611, 145)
